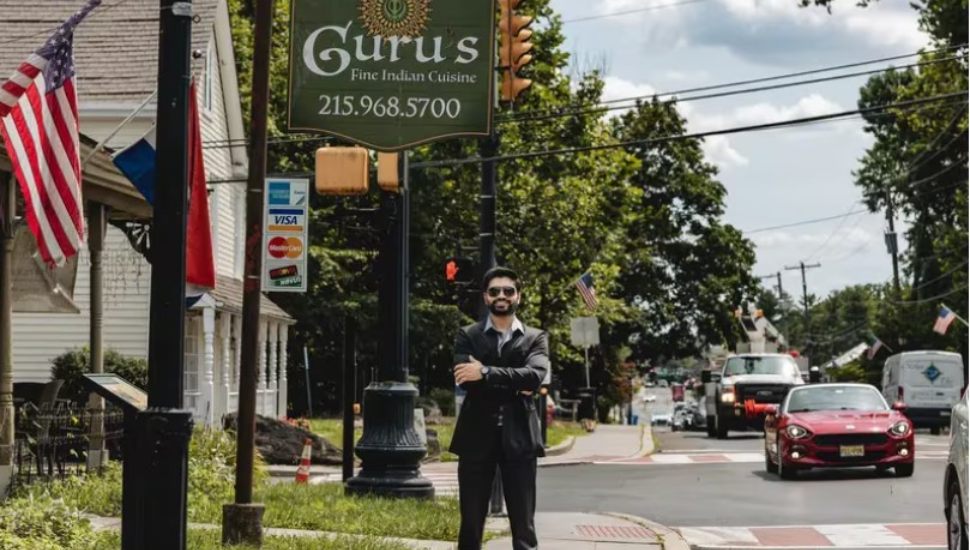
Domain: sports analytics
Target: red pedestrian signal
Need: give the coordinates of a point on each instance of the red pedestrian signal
(451, 271)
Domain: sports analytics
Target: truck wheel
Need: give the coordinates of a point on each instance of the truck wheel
(722, 429)
(711, 429)
(904, 470)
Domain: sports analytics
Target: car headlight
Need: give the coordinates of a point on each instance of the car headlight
(900, 428)
(795, 431)
(727, 394)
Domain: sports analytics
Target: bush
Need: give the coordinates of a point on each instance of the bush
(44, 524)
(212, 463)
(72, 365)
(445, 398)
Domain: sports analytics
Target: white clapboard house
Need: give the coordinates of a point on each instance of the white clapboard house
(116, 53)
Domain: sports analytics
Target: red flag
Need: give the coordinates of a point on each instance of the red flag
(200, 268)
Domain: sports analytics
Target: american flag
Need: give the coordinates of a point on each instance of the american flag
(586, 290)
(944, 320)
(39, 126)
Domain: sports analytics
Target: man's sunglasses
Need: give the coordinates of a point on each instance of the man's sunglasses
(495, 291)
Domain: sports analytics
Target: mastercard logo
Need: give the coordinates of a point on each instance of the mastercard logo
(285, 247)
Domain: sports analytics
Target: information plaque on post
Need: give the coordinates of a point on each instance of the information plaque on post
(132, 400)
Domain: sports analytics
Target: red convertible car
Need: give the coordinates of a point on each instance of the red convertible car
(837, 426)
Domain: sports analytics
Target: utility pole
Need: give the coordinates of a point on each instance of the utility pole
(242, 520)
(8, 213)
(164, 428)
(892, 245)
(803, 267)
(781, 296)
(488, 148)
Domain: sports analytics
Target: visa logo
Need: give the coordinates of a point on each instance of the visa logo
(286, 220)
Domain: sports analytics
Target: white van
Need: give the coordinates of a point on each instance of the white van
(928, 382)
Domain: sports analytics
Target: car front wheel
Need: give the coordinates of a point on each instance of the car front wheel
(904, 470)
(956, 525)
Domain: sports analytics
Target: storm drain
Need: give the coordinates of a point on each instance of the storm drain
(597, 532)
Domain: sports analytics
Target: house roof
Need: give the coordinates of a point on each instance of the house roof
(115, 47)
(229, 294)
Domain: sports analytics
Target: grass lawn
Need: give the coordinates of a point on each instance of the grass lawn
(332, 430)
(209, 539)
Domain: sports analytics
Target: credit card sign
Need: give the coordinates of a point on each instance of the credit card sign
(285, 235)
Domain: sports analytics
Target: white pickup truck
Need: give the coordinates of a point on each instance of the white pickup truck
(735, 398)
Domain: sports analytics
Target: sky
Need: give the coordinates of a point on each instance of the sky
(779, 176)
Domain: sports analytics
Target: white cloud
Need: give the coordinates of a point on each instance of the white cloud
(881, 29)
(760, 113)
(618, 88)
(719, 151)
(692, 76)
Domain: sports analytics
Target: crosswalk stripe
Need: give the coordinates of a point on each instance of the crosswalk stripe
(910, 535)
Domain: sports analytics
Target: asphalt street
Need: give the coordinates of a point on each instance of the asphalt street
(742, 493)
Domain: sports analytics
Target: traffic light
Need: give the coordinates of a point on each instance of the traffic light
(514, 47)
(459, 270)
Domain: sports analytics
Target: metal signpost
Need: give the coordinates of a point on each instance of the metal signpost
(392, 75)
(285, 237)
(585, 332)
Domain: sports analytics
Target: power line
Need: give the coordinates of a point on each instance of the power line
(760, 80)
(696, 135)
(628, 12)
(805, 222)
(834, 231)
(925, 284)
(743, 91)
(932, 299)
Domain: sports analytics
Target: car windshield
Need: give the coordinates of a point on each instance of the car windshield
(760, 365)
(836, 398)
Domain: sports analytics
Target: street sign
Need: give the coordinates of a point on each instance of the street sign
(584, 331)
(117, 390)
(391, 74)
(285, 235)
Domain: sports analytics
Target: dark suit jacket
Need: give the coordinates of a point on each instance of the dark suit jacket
(521, 367)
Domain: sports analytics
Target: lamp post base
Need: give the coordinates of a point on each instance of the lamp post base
(390, 449)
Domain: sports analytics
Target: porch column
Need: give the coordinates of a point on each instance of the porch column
(225, 337)
(282, 395)
(8, 196)
(261, 389)
(97, 220)
(236, 359)
(207, 387)
(272, 403)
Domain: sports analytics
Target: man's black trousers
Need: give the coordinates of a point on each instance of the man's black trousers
(475, 477)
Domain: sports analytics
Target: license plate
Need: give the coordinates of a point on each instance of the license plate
(944, 413)
(847, 451)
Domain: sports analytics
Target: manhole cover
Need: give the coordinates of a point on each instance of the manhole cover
(614, 532)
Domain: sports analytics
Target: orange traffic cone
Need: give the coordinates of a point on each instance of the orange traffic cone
(303, 470)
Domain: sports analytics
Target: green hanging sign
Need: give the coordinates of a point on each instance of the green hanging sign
(391, 74)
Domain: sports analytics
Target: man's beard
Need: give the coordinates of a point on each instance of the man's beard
(510, 310)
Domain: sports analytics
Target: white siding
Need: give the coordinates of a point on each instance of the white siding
(39, 337)
(224, 197)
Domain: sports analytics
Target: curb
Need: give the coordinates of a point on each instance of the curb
(562, 448)
(669, 538)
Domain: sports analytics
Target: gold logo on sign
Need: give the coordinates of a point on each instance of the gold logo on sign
(395, 17)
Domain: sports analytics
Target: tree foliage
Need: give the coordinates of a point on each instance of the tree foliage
(646, 221)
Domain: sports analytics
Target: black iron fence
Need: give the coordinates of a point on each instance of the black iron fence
(55, 440)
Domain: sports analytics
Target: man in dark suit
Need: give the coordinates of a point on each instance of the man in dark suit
(500, 363)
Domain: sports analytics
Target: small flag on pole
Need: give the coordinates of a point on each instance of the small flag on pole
(874, 349)
(944, 320)
(39, 126)
(586, 290)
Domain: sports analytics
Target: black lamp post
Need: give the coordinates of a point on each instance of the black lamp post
(390, 448)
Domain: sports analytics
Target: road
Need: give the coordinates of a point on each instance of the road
(696, 481)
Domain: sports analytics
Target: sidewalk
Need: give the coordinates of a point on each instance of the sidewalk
(573, 531)
(556, 530)
(608, 443)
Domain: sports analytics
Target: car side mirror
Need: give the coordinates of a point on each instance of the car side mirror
(705, 376)
(899, 406)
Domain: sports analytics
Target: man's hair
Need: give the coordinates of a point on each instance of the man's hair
(497, 272)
